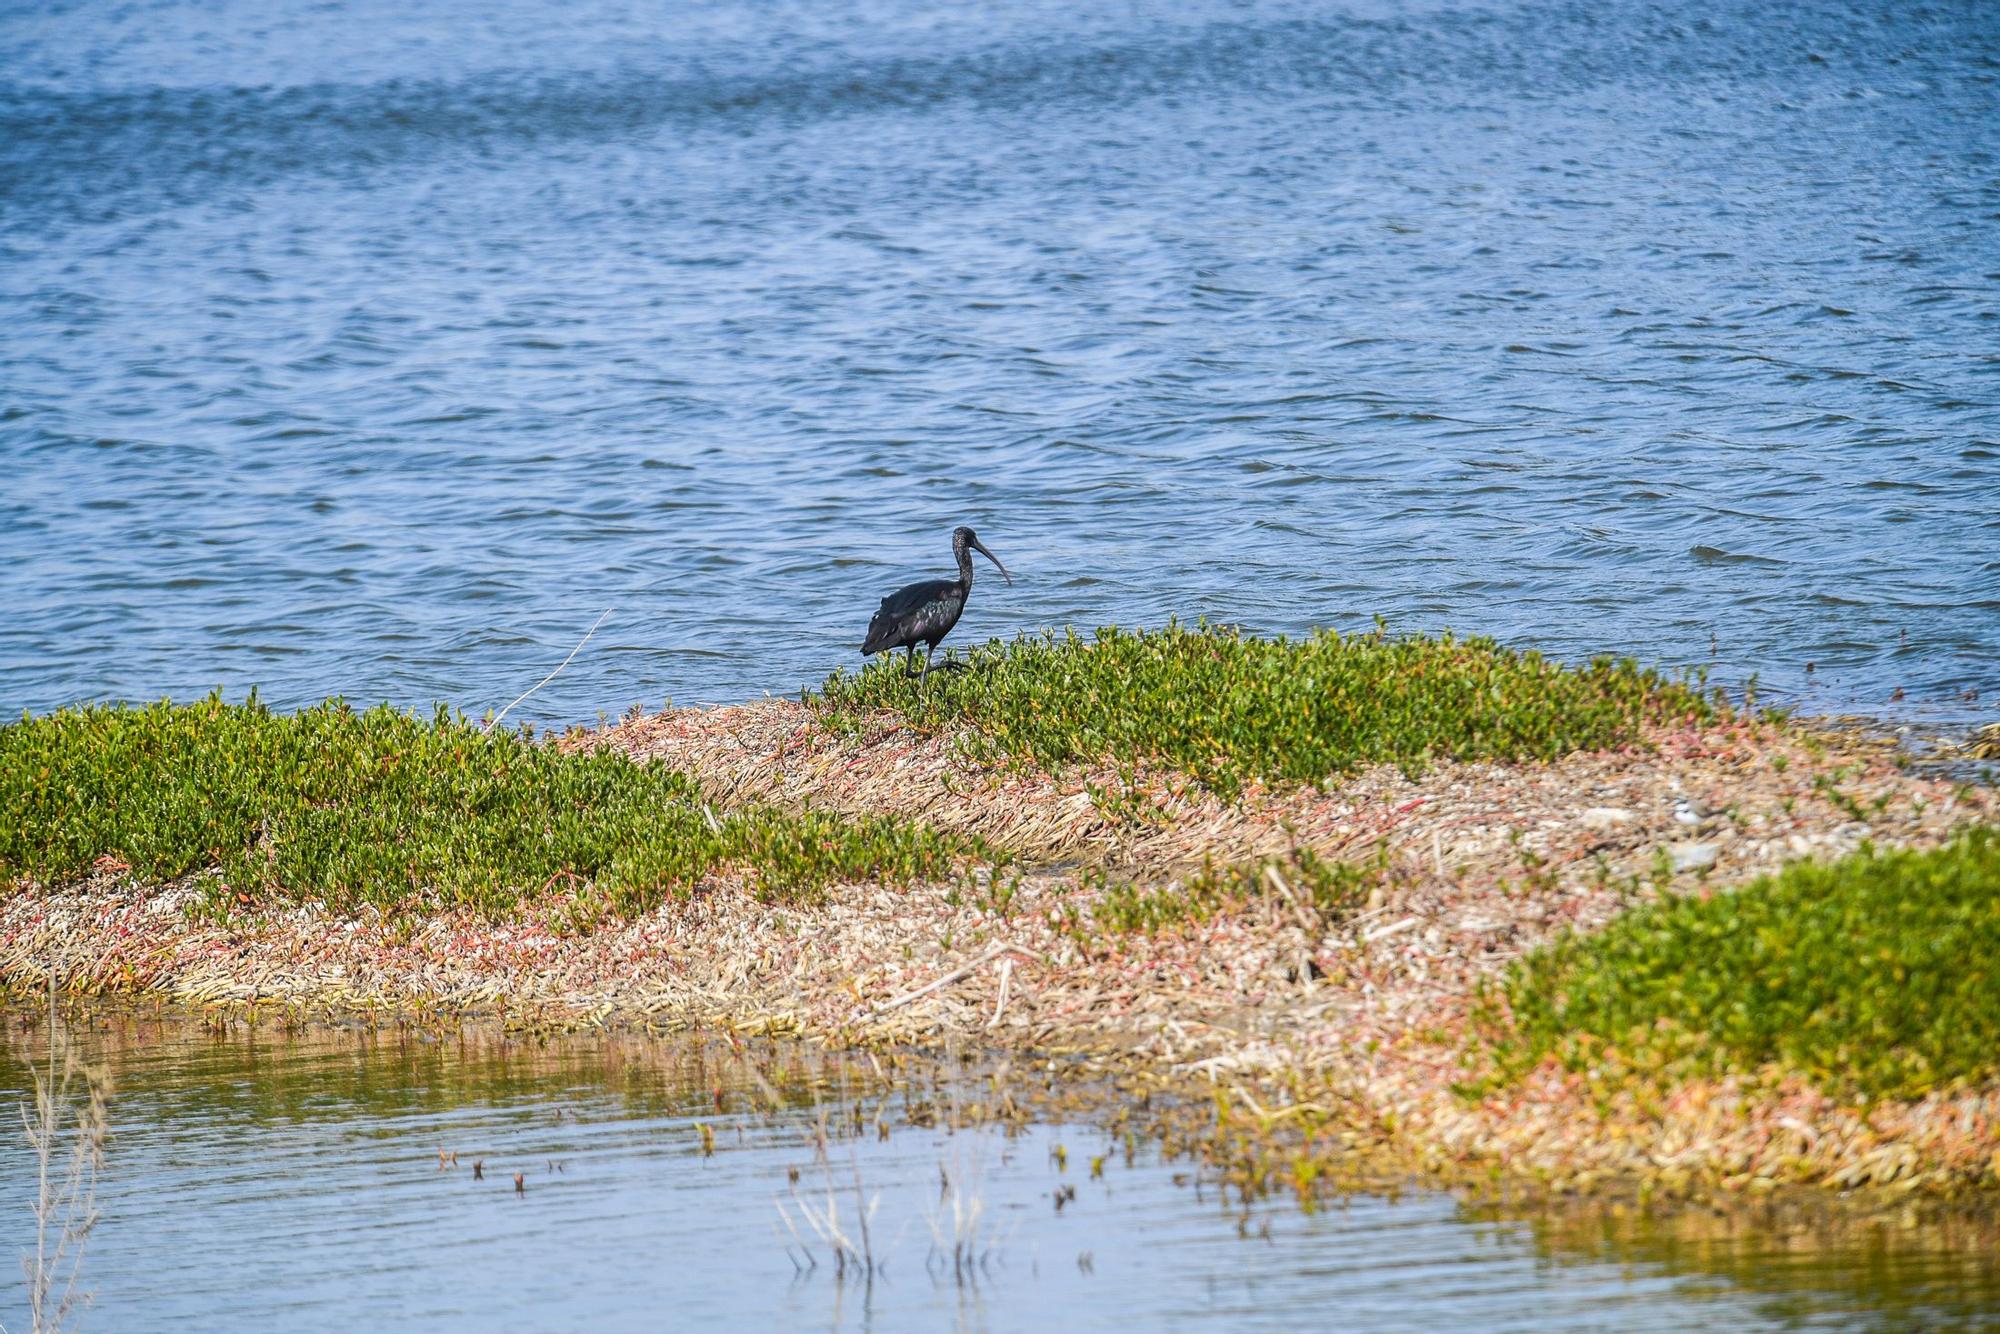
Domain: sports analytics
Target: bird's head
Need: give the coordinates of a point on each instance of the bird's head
(964, 539)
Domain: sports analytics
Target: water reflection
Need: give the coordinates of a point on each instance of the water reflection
(341, 1179)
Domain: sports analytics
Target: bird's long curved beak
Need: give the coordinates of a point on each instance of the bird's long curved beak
(980, 547)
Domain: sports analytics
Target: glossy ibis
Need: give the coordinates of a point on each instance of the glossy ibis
(924, 612)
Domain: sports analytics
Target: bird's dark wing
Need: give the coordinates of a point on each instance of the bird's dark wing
(912, 614)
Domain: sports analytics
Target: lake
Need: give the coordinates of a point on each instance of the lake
(377, 349)
(261, 1181)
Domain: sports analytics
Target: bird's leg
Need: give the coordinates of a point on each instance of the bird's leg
(910, 665)
(948, 665)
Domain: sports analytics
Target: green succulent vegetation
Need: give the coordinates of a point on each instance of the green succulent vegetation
(383, 808)
(1230, 709)
(1877, 975)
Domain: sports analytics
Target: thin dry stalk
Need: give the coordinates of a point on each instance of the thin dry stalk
(1000, 1005)
(955, 975)
(68, 1139)
(961, 1244)
(495, 722)
(824, 1220)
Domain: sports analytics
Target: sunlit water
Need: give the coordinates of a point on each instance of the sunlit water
(377, 348)
(257, 1182)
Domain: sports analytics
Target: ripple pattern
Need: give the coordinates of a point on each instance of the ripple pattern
(372, 349)
(256, 1182)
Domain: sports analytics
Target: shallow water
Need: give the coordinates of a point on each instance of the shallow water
(375, 349)
(260, 1182)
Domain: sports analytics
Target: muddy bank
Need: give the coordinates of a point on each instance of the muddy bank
(1324, 1028)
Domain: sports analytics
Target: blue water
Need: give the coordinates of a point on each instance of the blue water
(258, 1183)
(376, 349)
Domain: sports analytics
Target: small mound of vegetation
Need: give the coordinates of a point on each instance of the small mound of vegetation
(1302, 882)
(383, 808)
(1230, 709)
(1875, 976)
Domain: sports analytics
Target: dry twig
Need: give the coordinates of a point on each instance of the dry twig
(495, 721)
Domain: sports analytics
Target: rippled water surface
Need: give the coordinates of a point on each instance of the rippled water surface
(376, 348)
(262, 1182)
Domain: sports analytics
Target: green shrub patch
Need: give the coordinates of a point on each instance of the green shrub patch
(1875, 976)
(1230, 709)
(380, 807)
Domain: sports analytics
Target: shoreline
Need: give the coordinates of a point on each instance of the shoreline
(1324, 1032)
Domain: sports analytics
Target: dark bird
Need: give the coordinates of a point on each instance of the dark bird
(924, 612)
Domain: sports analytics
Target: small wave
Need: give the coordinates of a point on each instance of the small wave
(1708, 555)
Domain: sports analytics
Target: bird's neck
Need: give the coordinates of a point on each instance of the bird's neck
(965, 568)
